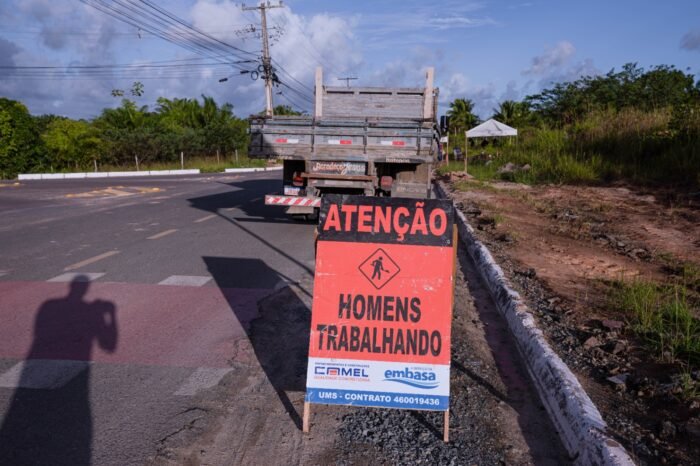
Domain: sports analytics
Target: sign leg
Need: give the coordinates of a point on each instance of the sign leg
(446, 431)
(307, 414)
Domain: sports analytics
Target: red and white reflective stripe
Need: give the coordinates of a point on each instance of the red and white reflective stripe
(272, 199)
(340, 142)
(286, 141)
(393, 143)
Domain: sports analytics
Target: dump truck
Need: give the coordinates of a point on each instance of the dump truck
(371, 141)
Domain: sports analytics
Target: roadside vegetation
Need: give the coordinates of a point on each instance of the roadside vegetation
(206, 134)
(636, 125)
(665, 316)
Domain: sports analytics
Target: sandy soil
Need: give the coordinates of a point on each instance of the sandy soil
(561, 247)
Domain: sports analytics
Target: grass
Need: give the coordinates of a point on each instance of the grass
(664, 316)
(631, 145)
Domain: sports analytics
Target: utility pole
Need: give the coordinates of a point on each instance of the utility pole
(266, 61)
(347, 80)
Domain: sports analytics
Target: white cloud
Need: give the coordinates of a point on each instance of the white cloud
(85, 35)
(307, 42)
(409, 25)
(451, 22)
(457, 85)
(555, 65)
(552, 59)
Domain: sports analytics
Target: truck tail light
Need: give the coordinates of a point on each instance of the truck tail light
(385, 183)
(297, 180)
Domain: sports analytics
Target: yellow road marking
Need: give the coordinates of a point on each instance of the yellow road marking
(116, 191)
(91, 260)
(162, 233)
(204, 219)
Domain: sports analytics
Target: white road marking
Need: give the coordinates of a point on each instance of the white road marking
(3, 273)
(202, 378)
(185, 280)
(82, 276)
(204, 219)
(91, 260)
(44, 374)
(162, 233)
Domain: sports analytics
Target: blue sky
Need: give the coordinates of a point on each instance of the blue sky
(484, 50)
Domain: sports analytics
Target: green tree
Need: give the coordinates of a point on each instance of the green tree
(71, 143)
(19, 139)
(285, 110)
(632, 87)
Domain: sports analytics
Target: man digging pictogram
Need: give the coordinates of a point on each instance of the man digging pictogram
(379, 268)
(378, 265)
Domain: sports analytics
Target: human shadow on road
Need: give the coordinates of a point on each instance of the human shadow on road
(49, 420)
(278, 330)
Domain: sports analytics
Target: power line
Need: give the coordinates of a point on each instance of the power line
(318, 56)
(182, 22)
(137, 32)
(167, 26)
(289, 75)
(297, 92)
(124, 66)
(295, 105)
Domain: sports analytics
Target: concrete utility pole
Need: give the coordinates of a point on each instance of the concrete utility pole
(267, 61)
(347, 80)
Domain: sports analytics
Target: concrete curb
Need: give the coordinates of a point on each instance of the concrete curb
(580, 425)
(75, 176)
(251, 170)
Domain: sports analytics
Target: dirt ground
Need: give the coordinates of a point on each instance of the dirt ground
(562, 247)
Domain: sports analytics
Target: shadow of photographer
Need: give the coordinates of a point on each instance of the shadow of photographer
(49, 420)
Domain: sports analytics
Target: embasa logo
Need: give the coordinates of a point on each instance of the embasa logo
(418, 379)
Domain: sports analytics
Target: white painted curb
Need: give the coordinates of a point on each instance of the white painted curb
(73, 176)
(580, 425)
(251, 170)
(243, 170)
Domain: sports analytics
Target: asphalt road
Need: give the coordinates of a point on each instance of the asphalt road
(119, 300)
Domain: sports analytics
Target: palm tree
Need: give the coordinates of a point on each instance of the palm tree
(461, 115)
(511, 113)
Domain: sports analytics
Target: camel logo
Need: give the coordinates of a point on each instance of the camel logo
(379, 268)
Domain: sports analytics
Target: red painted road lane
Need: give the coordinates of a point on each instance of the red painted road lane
(124, 322)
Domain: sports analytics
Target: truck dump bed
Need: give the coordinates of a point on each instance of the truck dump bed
(356, 139)
(379, 140)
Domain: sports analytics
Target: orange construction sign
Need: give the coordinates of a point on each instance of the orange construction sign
(382, 307)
